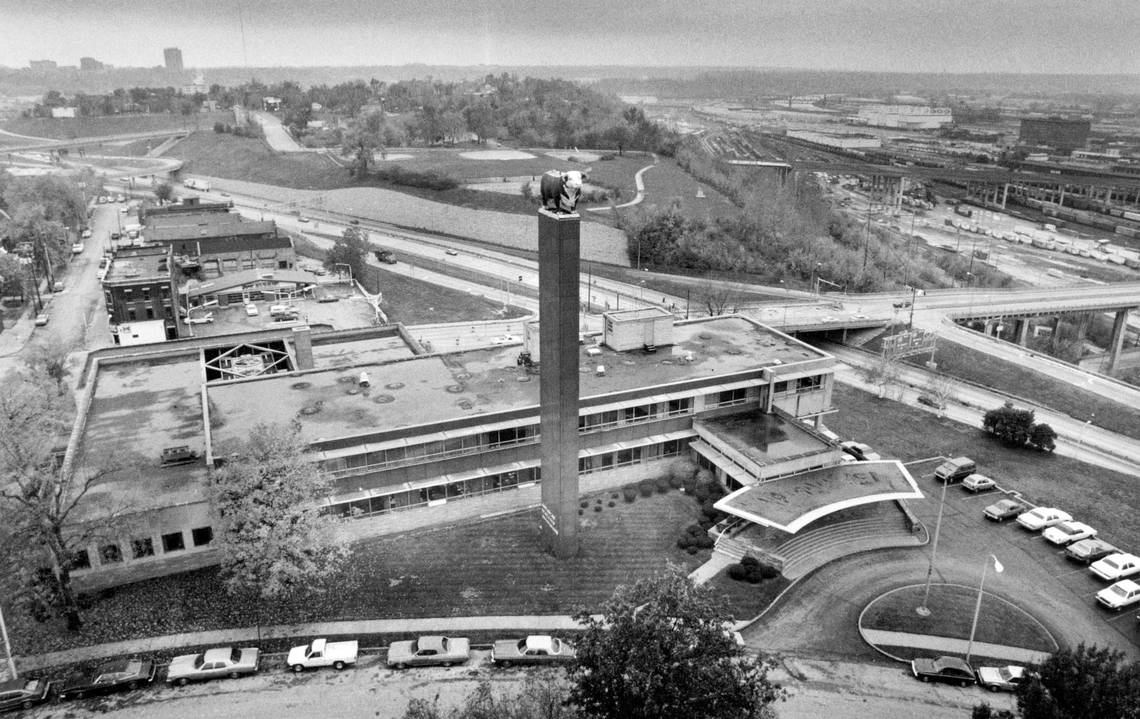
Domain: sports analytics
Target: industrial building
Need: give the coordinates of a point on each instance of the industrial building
(1061, 134)
(140, 288)
(436, 435)
(904, 117)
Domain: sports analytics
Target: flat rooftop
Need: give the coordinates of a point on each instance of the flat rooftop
(138, 409)
(764, 438)
(167, 233)
(791, 503)
(439, 388)
(139, 264)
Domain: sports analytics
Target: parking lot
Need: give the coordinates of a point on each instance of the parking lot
(1020, 550)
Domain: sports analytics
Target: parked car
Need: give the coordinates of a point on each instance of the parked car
(86, 234)
(931, 401)
(212, 664)
(860, 451)
(1001, 679)
(953, 470)
(1116, 566)
(42, 319)
(1090, 550)
(429, 650)
(978, 482)
(251, 310)
(535, 649)
(1120, 595)
(1003, 509)
(951, 670)
(323, 653)
(23, 693)
(116, 676)
(116, 235)
(77, 248)
(450, 252)
(1042, 517)
(1065, 533)
(199, 319)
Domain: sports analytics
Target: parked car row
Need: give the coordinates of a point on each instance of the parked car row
(1080, 541)
(233, 662)
(954, 670)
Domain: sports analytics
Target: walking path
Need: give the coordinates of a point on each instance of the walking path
(638, 183)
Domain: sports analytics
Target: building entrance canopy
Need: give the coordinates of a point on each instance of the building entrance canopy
(793, 502)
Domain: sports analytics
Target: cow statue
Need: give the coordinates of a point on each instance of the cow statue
(560, 190)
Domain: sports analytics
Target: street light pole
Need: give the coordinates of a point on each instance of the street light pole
(978, 606)
(923, 610)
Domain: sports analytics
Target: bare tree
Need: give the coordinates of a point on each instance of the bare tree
(39, 500)
(941, 388)
(721, 301)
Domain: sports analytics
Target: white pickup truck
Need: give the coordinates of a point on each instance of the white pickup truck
(323, 653)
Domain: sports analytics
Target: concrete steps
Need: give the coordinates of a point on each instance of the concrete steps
(807, 552)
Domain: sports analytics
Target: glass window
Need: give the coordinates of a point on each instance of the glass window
(202, 536)
(132, 315)
(807, 384)
(781, 388)
(585, 465)
(680, 406)
(150, 313)
(142, 547)
(606, 461)
(110, 554)
(173, 542)
(80, 559)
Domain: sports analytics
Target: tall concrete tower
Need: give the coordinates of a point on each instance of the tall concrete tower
(558, 247)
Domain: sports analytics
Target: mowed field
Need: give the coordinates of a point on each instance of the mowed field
(66, 128)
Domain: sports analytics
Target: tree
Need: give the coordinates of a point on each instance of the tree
(985, 711)
(660, 650)
(273, 539)
(1043, 437)
(1015, 427)
(351, 249)
(60, 198)
(1009, 424)
(1082, 682)
(12, 276)
(720, 301)
(941, 388)
(40, 497)
(362, 139)
(164, 192)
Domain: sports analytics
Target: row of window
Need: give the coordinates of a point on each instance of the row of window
(143, 547)
(247, 263)
(500, 482)
(510, 436)
(144, 293)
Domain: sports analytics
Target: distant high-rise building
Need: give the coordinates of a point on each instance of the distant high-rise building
(89, 64)
(1060, 133)
(42, 65)
(173, 57)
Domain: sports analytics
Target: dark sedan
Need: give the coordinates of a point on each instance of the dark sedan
(1004, 509)
(951, 670)
(23, 693)
(117, 676)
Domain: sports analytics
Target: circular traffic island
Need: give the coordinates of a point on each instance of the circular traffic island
(895, 625)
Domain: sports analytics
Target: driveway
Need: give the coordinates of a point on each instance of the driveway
(818, 616)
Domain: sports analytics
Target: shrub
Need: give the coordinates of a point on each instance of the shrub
(614, 495)
(629, 492)
(597, 507)
(676, 482)
(684, 541)
(612, 503)
(583, 504)
(749, 561)
(662, 484)
(689, 485)
(691, 549)
(753, 576)
(704, 541)
(682, 468)
(645, 487)
(767, 571)
(701, 492)
(736, 572)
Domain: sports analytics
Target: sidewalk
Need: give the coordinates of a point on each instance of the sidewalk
(945, 645)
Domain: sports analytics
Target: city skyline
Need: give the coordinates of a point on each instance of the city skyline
(1019, 36)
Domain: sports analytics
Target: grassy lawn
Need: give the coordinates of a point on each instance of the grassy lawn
(1107, 500)
(951, 613)
(66, 128)
(238, 158)
(483, 568)
(745, 600)
(415, 303)
(967, 363)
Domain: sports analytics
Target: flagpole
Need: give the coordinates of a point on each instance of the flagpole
(978, 606)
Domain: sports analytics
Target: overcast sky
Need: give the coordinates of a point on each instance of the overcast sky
(1081, 36)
